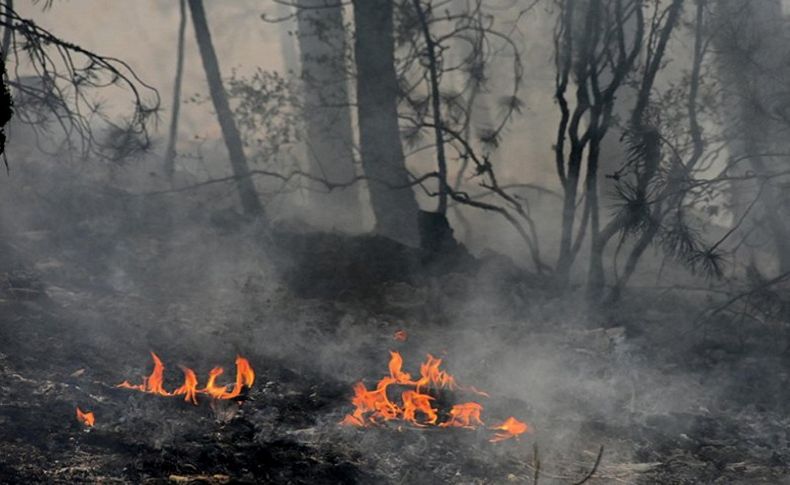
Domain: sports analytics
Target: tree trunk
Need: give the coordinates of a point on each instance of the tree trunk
(596, 278)
(330, 139)
(436, 106)
(170, 153)
(9, 7)
(570, 191)
(394, 203)
(249, 198)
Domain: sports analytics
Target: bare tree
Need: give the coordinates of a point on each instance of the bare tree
(170, 152)
(597, 59)
(238, 160)
(52, 80)
(654, 59)
(651, 206)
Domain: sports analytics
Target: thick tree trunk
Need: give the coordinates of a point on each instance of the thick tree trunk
(170, 153)
(394, 204)
(330, 140)
(249, 198)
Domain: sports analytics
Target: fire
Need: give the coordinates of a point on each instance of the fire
(465, 415)
(417, 406)
(87, 418)
(154, 383)
(245, 377)
(189, 389)
(413, 402)
(511, 428)
(400, 336)
(431, 375)
(396, 372)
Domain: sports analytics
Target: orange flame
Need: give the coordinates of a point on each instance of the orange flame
(511, 428)
(189, 389)
(413, 402)
(400, 336)
(416, 406)
(465, 415)
(245, 376)
(154, 383)
(211, 388)
(87, 418)
(395, 367)
(244, 379)
(431, 375)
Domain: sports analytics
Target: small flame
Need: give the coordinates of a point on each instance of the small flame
(413, 402)
(87, 418)
(432, 376)
(396, 372)
(245, 376)
(154, 383)
(189, 389)
(511, 428)
(212, 389)
(400, 336)
(417, 405)
(465, 415)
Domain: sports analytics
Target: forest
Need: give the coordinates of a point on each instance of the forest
(395, 241)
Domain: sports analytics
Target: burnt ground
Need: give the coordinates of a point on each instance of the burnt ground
(89, 290)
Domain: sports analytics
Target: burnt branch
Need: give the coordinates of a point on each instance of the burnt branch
(54, 80)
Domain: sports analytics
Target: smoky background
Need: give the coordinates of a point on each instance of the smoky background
(141, 267)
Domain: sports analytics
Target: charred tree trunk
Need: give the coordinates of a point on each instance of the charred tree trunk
(249, 198)
(436, 106)
(6, 104)
(9, 7)
(571, 62)
(170, 153)
(330, 140)
(394, 204)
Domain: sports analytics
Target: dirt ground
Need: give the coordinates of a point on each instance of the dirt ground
(87, 294)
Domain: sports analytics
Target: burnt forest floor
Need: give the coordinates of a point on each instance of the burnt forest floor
(84, 302)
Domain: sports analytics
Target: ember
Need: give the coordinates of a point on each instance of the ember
(416, 406)
(86, 418)
(154, 383)
(400, 336)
